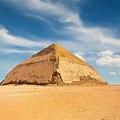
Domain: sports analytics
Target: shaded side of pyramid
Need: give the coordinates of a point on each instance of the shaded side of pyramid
(53, 65)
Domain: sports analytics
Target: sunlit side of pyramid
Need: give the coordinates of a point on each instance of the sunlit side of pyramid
(53, 65)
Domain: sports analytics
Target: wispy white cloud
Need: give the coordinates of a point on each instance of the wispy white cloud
(92, 36)
(77, 30)
(17, 51)
(108, 58)
(87, 38)
(6, 37)
(80, 56)
(40, 7)
(45, 20)
(115, 73)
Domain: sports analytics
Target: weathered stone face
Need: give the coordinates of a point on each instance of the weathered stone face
(53, 65)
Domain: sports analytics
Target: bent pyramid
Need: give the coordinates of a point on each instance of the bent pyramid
(53, 65)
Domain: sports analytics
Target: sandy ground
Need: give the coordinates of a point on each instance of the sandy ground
(59, 103)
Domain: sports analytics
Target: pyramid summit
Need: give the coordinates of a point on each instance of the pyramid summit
(53, 65)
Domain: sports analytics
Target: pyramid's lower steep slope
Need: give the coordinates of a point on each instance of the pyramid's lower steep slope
(53, 65)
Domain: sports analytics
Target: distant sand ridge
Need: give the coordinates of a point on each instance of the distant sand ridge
(53, 65)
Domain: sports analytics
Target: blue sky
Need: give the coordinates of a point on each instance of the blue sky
(88, 28)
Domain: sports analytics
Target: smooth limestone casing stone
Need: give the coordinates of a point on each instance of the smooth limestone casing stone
(70, 71)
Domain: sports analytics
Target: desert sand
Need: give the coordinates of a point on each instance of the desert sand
(27, 102)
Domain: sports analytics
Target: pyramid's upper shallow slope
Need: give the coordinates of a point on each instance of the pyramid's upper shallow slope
(59, 51)
(53, 65)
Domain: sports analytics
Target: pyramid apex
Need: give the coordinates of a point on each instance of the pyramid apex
(54, 45)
